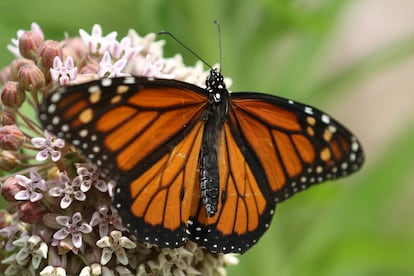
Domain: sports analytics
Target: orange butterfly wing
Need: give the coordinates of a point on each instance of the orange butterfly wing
(146, 136)
(270, 149)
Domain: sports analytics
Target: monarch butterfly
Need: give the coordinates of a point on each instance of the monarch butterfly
(199, 164)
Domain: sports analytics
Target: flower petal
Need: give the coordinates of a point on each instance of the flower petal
(65, 201)
(56, 191)
(121, 256)
(35, 196)
(61, 234)
(22, 195)
(106, 256)
(77, 240)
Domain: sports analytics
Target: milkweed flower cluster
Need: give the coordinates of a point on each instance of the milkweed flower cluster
(58, 218)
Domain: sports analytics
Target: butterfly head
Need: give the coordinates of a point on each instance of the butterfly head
(215, 83)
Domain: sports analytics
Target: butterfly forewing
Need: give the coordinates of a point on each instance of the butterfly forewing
(132, 122)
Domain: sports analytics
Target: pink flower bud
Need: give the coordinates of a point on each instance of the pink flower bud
(75, 48)
(7, 117)
(47, 53)
(31, 78)
(9, 160)
(10, 188)
(5, 219)
(5, 75)
(29, 43)
(16, 65)
(30, 212)
(12, 95)
(11, 138)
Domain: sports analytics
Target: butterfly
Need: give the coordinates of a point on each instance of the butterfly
(199, 163)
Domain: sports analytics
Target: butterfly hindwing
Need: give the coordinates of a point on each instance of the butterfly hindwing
(156, 206)
(243, 214)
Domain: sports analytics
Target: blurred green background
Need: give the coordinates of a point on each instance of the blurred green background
(351, 58)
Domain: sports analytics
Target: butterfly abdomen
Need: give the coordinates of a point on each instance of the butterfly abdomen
(214, 118)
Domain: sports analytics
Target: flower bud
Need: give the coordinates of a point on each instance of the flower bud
(31, 78)
(74, 47)
(47, 53)
(9, 160)
(5, 219)
(10, 188)
(29, 43)
(30, 212)
(11, 138)
(90, 68)
(4, 75)
(16, 65)
(11, 94)
(7, 117)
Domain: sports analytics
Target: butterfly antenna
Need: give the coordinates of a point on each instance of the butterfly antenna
(185, 47)
(219, 41)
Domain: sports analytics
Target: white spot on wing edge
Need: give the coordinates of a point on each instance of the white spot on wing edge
(129, 80)
(106, 82)
(94, 89)
(56, 97)
(308, 110)
(326, 119)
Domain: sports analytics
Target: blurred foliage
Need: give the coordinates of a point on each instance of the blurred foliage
(362, 225)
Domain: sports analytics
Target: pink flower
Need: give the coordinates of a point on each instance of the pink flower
(68, 189)
(48, 146)
(95, 42)
(33, 187)
(63, 72)
(106, 218)
(124, 49)
(73, 227)
(151, 69)
(109, 70)
(90, 177)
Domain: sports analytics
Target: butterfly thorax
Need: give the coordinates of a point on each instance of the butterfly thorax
(214, 117)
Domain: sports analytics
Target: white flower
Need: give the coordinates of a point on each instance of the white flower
(32, 246)
(116, 243)
(53, 271)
